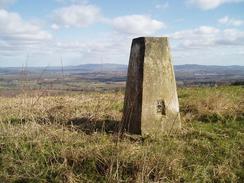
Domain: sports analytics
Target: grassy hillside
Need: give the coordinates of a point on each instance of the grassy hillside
(72, 138)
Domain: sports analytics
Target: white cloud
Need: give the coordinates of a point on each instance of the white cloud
(78, 15)
(83, 15)
(232, 37)
(55, 27)
(207, 45)
(231, 21)
(18, 35)
(4, 3)
(18, 29)
(211, 4)
(208, 37)
(115, 48)
(162, 6)
(110, 48)
(137, 24)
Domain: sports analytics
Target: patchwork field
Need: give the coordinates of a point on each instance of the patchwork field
(72, 137)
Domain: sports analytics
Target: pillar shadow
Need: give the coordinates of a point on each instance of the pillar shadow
(90, 126)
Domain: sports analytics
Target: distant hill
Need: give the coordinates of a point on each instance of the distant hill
(209, 74)
(101, 67)
(190, 68)
(210, 69)
(185, 74)
(85, 68)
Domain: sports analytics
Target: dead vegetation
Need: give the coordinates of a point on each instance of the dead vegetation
(72, 138)
(213, 104)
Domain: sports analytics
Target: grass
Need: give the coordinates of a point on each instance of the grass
(69, 138)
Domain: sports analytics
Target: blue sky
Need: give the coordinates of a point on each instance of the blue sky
(44, 32)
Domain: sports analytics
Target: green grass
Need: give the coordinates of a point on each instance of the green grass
(38, 144)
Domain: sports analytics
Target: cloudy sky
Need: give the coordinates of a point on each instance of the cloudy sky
(44, 32)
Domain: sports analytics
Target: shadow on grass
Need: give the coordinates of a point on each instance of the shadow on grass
(83, 124)
(90, 126)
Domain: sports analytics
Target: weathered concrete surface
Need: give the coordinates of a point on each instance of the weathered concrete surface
(151, 102)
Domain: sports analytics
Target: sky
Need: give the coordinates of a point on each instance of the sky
(75, 32)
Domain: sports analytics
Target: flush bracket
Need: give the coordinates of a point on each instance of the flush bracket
(161, 109)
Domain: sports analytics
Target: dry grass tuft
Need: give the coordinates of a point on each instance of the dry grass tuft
(214, 104)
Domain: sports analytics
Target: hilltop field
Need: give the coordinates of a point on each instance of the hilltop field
(72, 137)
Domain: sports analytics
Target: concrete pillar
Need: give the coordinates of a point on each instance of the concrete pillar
(151, 102)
